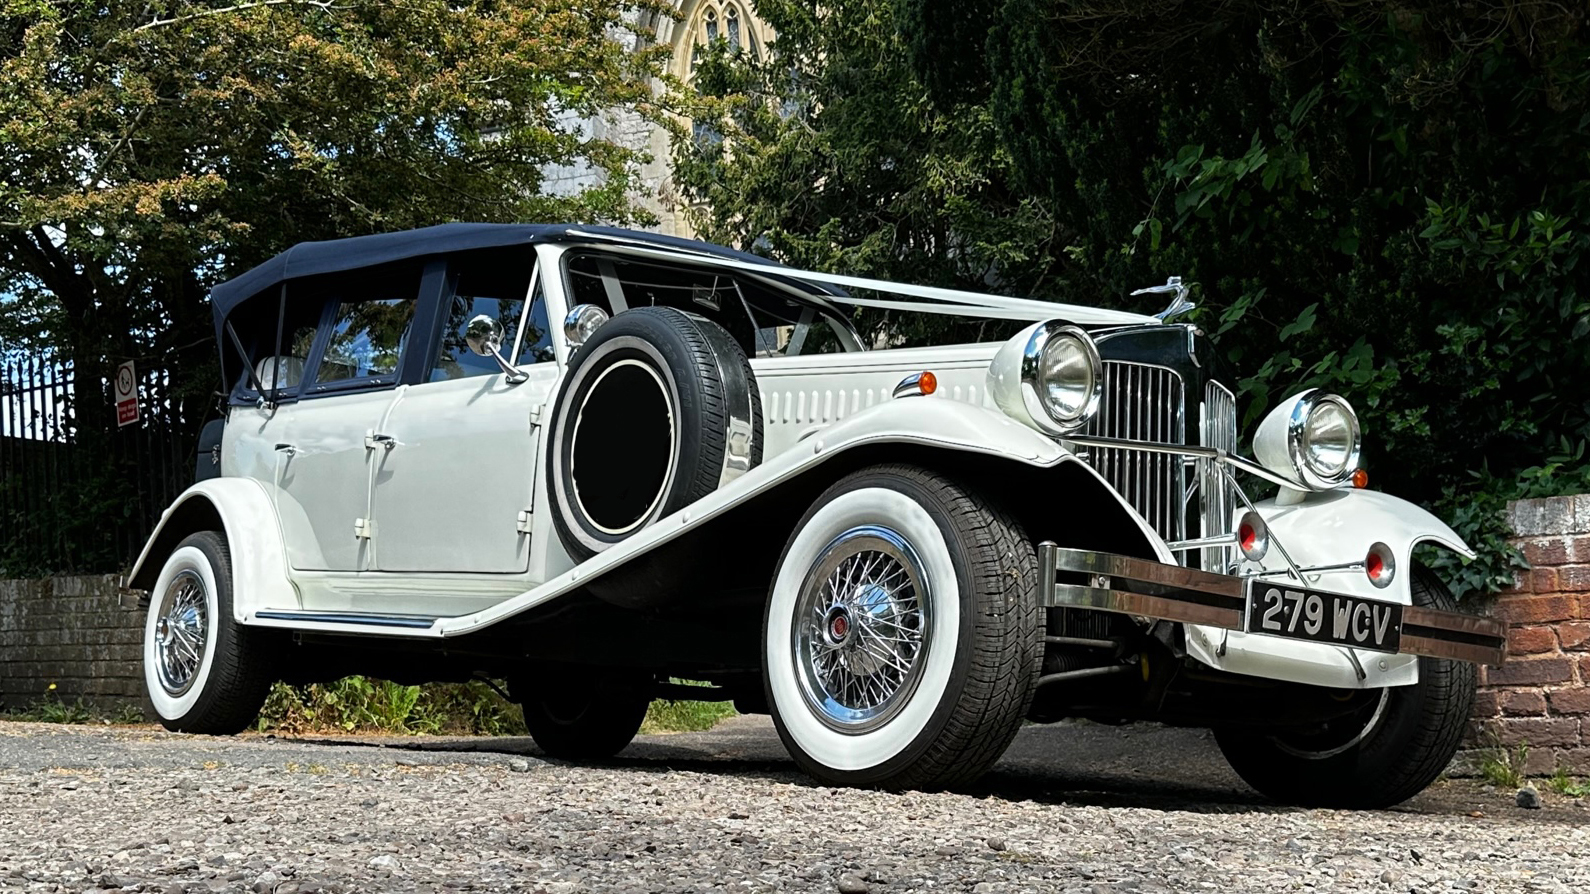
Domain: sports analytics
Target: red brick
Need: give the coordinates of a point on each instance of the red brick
(1545, 550)
(1573, 578)
(1539, 732)
(1584, 669)
(1574, 634)
(1543, 580)
(1579, 549)
(1487, 703)
(1536, 609)
(1525, 702)
(1573, 761)
(1533, 671)
(1531, 640)
(1571, 701)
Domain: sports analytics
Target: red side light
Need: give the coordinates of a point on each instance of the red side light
(1374, 566)
(1247, 537)
(929, 383)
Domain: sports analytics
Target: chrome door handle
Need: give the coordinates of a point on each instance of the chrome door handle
(374, 440)
(288, 449)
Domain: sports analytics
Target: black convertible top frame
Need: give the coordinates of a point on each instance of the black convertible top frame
(340, 255)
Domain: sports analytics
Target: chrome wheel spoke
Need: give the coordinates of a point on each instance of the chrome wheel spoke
(181, 633)
(861, 625)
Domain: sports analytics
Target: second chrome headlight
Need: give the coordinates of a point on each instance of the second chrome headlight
(1049, 376)
(1313, 435)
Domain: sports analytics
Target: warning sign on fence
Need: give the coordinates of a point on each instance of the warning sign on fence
(126, 394)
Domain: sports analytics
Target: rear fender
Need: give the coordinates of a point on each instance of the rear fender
(241, 509)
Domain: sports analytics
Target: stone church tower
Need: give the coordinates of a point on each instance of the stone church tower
(698, 22)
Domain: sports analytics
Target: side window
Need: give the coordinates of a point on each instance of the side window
(277, 367)
(503, 301)
(367, 339)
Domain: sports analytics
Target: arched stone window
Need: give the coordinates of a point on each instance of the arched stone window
(712, 20)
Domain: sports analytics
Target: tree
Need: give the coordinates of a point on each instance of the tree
(830, 156)
(150, 150)
(1388, 198)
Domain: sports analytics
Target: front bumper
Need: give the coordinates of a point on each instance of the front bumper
(1152, 589)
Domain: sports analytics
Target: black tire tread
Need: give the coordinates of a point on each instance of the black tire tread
(240, 676)
(697, 334)
(1443, 698)
(602, 731)
(1005, 654)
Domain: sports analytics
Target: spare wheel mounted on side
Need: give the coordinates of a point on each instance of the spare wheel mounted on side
(659, 409)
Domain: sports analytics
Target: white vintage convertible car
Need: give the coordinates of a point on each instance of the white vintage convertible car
(594, 462)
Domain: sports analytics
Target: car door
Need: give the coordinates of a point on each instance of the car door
(454, 476)
(326, 439)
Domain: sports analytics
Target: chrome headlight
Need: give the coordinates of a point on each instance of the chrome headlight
(581, 323)
(1313, 435)
(1048, 376)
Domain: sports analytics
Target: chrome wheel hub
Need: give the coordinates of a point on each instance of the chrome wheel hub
(181, 632)
(862, 625)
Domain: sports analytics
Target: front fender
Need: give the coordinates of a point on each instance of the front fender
(930, 421)
(1340, 525)
(1332, 528)
(242, 509)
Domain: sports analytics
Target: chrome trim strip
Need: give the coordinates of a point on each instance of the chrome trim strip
(414, 621)
(1146, 570)
(1164, 607)
(1201, 542)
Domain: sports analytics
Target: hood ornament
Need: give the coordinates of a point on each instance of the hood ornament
(1178, 304)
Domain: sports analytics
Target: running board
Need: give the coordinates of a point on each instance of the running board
(1153, 589)
(345, 622)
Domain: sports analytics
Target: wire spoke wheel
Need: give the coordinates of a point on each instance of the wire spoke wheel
(181, 632)
(862, 624)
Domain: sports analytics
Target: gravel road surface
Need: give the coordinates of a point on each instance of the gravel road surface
(1075, 808)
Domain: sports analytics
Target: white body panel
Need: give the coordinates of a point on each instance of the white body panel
(1329, 528)
(260, 576)
(933, 421)
(449, 491)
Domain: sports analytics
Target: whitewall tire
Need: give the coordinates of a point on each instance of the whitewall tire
(902, 636)
(203, 671)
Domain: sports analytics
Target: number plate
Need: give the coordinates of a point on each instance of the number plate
(1294, 612)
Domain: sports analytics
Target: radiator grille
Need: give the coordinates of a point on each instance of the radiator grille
(1216, 500)
(1144, 403)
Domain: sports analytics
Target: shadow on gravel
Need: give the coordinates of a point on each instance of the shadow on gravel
(1142, 766)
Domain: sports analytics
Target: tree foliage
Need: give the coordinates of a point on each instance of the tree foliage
(1388, 198)
(153, 149)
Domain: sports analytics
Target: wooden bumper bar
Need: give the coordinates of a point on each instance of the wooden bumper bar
(1152, 589)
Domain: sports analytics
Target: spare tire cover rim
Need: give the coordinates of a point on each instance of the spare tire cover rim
(673, 453)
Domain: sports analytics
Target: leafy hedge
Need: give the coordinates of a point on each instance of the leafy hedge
(1386, 199)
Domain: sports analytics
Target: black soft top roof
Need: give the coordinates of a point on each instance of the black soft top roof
(336, 255)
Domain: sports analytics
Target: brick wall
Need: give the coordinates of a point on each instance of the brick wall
(1541, 695)
(70, 631)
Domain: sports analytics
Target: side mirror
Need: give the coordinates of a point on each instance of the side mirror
(484, 337)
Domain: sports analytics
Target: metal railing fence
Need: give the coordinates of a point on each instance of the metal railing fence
(78, 494)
